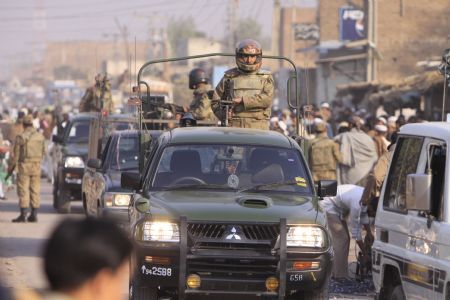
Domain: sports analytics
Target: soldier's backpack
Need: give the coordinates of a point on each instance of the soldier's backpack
(33, 146)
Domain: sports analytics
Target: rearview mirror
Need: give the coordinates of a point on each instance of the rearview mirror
(130, 180)
(327, 188)
(142, 205)
(94, 163)
(418, 192)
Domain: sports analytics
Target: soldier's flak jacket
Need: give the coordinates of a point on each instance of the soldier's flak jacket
(256, 89)
(323, 157)
(200, 106)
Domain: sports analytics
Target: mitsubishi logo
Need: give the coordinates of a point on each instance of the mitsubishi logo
(233, 235)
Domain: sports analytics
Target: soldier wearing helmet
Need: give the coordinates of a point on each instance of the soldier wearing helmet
(200, 106)
(28, 152)
(252, 89)
(98, 97)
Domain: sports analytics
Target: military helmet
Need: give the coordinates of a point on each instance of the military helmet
(321, 127)
(197, 76)
(28, 120)
(245, 48)
(188, 120)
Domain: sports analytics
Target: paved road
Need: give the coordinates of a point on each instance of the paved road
(21, 243)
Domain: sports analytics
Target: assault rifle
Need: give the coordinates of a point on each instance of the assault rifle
(11, 171)
(157, 103)
(226, 101)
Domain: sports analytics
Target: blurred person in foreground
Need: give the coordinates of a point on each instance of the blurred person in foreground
(28, 153)
(358, 154)
(87, 260)
(253, 89)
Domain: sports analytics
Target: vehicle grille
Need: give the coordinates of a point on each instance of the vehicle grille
(217, 231)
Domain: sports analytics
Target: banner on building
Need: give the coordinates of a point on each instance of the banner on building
(351, 24)
(306, 31)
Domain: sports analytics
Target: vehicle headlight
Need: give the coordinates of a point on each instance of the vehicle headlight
(116, 199)
(160, 232)
(73, 162)
(306, 236)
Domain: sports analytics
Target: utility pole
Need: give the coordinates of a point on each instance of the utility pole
(275, 46)
(370, 25)
(124, 32)
(233, 6)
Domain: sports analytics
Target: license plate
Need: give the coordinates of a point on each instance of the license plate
(156, 271)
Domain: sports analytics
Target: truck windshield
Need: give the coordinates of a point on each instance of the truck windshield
(125, 155)
(78, 132)
(242, 168)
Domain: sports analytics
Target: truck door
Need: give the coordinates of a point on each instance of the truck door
(425, 272)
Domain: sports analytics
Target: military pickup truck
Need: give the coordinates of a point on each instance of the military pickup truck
(228, 211)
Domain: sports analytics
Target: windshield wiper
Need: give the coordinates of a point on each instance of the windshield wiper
(271, 184)
(195, 185)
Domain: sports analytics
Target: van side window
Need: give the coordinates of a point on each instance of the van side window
(404, 162)
(438, 158)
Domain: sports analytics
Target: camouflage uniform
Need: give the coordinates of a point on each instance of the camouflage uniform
(200, 105)
(97, 97)
(256, 90)
(28, 153)
(323, 157)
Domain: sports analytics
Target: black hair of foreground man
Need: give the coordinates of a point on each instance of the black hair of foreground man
(87, 257)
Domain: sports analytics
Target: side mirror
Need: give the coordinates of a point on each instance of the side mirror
(130, 180)
(94, 163)
(142, 205)
(418, 192)
(57, 139)
(327, 188)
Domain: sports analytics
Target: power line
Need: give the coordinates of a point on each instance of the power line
(102, 12)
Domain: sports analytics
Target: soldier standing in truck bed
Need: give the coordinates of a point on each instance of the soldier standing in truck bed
(98, 97)
(253, 89)
(200, 106)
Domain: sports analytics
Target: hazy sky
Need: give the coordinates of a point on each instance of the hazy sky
(25, 24)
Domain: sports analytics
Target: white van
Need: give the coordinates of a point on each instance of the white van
(411, 252)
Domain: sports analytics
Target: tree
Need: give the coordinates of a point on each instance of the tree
(248, 29)
(178, 31)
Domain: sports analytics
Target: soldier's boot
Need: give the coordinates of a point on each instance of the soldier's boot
(33, 215)
(22, 217)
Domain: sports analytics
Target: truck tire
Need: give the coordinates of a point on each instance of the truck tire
(60, 202)
(397, 293)
(143, 293)
(320, 294)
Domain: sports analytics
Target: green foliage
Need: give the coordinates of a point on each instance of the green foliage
(248, 29)
(251, 29)
(179, 30)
